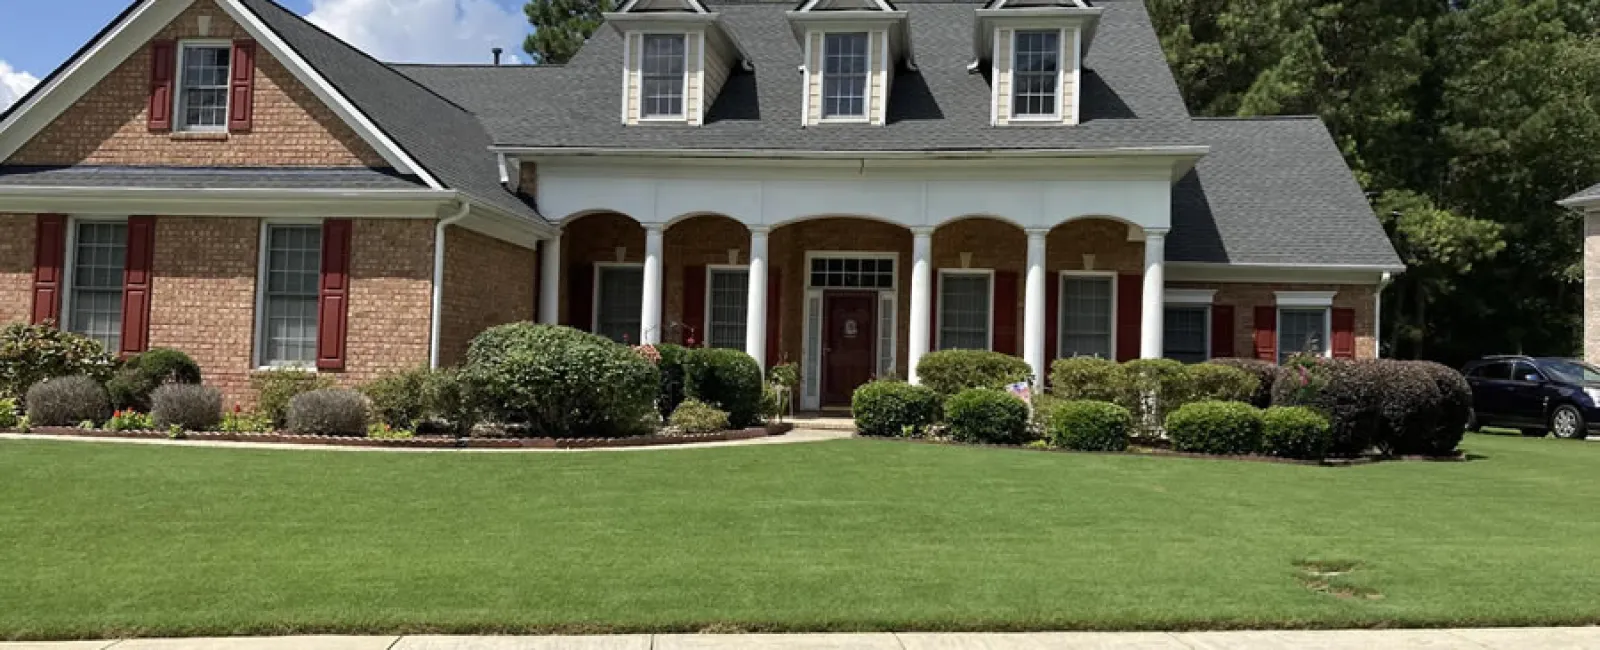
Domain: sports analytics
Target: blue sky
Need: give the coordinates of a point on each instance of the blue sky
(36, 36)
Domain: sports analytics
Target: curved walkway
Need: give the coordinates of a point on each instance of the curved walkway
(793, 437)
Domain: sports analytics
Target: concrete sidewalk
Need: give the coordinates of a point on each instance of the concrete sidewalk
(1477, 639)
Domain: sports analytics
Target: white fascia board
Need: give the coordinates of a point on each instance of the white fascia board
(1353, 274)
(1183, 151)
(487, 220)
(1579, 203)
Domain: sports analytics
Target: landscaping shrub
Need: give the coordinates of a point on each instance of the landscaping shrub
(450, 405)
(1409, 404)
(131, 385)
(672, 377)
(1086, 425)
(949, 372)
(1215, 382)
(399, 399)
(727, 379)
(276, 388)
(67, 401)
(30, 354)
(561, 382)
(1156, 387)
(1088, 378)
(129, 420)
(1265, 373)
(1344, 391)
(1295, 432)
(695, 416)
(242, 421)
(986, 416)
(888, 408)
(190, 407)
(8, 412)
(1455, 409)
(1228, 428)
(329, 412)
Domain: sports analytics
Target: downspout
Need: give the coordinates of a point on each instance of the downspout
(438, 280)
(1377, 315)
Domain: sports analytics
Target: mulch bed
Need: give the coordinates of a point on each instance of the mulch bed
(431, 442)
(1159, 448)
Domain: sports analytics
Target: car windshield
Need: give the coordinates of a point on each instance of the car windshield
(1572, 371)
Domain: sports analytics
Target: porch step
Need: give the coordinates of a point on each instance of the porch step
(825, 421)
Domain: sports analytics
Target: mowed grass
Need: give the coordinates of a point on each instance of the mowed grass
(100, 540)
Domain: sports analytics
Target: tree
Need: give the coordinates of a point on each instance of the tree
(561, 26)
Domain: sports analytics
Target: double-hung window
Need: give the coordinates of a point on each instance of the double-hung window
(203, 87)
(1302, 330)
(729, 307)
(1186, 333)
(1087, 304)
(1036, 74)
(619, 302)
(965, 300)
(293, 268)
(844, 75)
(663, 74)
(99, 254)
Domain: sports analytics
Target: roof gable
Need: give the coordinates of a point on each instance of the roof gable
(658, 6)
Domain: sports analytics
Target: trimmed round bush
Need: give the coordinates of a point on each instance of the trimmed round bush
(1265, 373)
(1344, 391)
(30, 354)
(1295, 432)
(949, 372)
(276, 388)
(142, 373)
(985, 416)
(399, 399)
(1409, 405)
(67, 401)
(329, 412)
(1455, 409)
(1086, 425)
(561, 382)
(672, 377)
(727, 379)
(1215, 382)
(1088, 378)
(888, 408)
(1225, 428)
(191, 407)
(695, 416)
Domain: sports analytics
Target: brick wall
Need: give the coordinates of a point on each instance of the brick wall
(487, 282)
(1245, 297)
(391, 297)
(203, 296)
(108, 125)
(993, 244)
(1105, 239)
(16, 267)
(697, 241)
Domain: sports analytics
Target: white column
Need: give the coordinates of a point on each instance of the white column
(650, 310)
(755, 329)
(1155, 287)
(921, 298)
(1033, 308)
(550, 281)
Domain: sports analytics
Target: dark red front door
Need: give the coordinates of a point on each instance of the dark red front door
(847, 344)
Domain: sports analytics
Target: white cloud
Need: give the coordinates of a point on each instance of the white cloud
(424, 31)
(13, 84)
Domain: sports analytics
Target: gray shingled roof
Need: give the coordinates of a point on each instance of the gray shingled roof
(321, 178)
(1587, 196)
(1274, 191)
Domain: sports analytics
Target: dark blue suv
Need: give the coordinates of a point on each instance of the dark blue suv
(1535, 394)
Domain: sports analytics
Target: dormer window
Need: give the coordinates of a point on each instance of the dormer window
(846, 62)
(1036, 84)
(665, 74)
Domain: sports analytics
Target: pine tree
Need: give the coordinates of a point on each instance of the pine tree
(561, 26)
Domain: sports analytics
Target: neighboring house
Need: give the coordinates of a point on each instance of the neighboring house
(847, 184)
(1587, 202)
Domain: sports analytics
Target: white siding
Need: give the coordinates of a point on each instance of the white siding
(631, 69)
(1002, 76)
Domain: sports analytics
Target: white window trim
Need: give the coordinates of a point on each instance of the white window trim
(683, 113)
(822, 82)
(178, 118)
(814, 401)
(705, 337)
(1061, 70)
(258, 359)
(1327, 328)
(1061, 309)
(69, 264)
(1305, 298)
(938, 316)
(594, 291)
(1190, 303)
(1190, 297)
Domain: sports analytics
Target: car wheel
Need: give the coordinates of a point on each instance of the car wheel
(1472, 421)
(1567, 422)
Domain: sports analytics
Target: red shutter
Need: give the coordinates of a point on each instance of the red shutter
(136, 285)
(1267, 333)
(580, 296)
(694, 305)
(333, 305)
(241, 87)
(1221, 331)
(774, 316)
(933, 313)
(1130, 295)
(163, 65)
(1344, 333)
(49, 255)
(1052, 318)
(1005, 312)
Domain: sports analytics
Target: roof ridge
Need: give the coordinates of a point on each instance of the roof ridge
(510, 66)
(1255, 118)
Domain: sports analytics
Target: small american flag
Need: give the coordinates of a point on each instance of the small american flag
(1022, 390)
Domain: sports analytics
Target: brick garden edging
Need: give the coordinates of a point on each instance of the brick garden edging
(1159, 452)
(429, 442)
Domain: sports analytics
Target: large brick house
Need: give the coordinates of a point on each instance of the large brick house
(847, 184)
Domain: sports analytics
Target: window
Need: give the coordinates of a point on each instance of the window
(1036, 74)
(1086, 312)
(1524, 371)
(964, 316)
(730, 305)
(203, 88)
(839, 273)
(1302, 330)
(293, 272)
(844, 75)
(620, 302)
(99, 255)
(1575, 372)
(1497, 371)
(664, 74)
(1186, 335)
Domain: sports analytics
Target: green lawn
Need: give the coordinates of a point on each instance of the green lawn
(103, 540)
